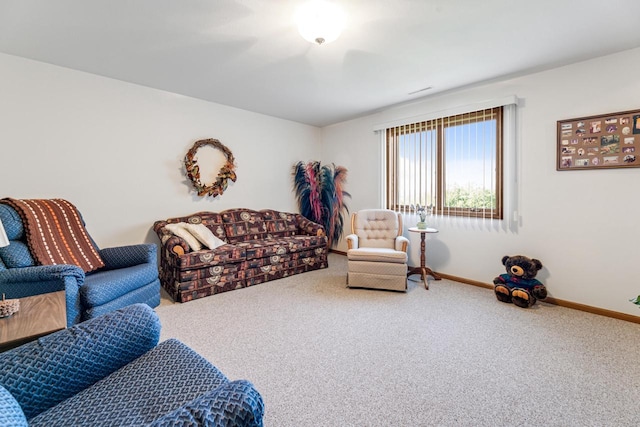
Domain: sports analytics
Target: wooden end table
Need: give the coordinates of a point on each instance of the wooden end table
(423, 270)
(39, 315)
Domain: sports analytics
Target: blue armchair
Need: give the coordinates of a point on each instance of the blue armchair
(111, 370)
(130, 275)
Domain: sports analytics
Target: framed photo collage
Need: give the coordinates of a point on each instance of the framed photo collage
(599, 142)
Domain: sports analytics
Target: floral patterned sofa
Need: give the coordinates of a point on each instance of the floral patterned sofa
(259, 246)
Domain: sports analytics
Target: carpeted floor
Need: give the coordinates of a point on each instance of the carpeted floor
(325, 355)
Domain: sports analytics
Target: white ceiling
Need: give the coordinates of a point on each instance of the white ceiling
(248, 53)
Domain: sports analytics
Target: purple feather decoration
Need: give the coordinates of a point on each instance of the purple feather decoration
(320, 194)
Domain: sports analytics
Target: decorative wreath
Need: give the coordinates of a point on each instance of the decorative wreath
(226, 173)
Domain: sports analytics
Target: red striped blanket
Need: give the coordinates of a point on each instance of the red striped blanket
(55, 233)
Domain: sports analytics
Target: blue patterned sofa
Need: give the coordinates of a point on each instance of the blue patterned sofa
(130, 275)
(111, 370)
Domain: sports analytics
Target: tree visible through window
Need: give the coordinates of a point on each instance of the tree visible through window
(452, 165)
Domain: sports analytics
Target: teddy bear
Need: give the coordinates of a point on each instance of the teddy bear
(519, 284)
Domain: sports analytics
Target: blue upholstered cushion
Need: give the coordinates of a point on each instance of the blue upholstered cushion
(105, 286)
(159, 382)
(10, 412)
(16, 255)
(43, 373)
(148, 294)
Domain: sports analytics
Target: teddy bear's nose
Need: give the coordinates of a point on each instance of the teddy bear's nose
(518, 271)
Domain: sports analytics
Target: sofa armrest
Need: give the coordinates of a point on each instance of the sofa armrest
(352, 241)
(127, 256)
(169, 242)
(308, 227)
(29, 281)
(236, 403)
(402, 243)
(41, 273)
(43, 373)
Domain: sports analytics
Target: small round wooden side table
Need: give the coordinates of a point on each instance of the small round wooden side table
(423, 270)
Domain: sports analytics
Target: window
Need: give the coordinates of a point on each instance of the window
(452, 165)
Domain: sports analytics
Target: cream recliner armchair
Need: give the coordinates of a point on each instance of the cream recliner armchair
(377, 251)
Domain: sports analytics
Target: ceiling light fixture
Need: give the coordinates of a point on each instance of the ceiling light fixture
(320, 21)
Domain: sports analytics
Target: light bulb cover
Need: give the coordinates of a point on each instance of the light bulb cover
(320, 21)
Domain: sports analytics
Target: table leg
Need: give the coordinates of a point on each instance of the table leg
(423, 270)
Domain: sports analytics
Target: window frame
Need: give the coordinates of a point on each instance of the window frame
(392, 147)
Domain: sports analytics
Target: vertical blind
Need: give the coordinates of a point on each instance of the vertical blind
(452, 165)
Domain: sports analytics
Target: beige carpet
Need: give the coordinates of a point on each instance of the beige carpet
(324, 355)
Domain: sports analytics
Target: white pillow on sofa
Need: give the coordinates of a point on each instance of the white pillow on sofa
(180, 230)
(205, 236)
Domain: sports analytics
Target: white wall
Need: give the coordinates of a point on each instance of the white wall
(115, 149)
(582, 225)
